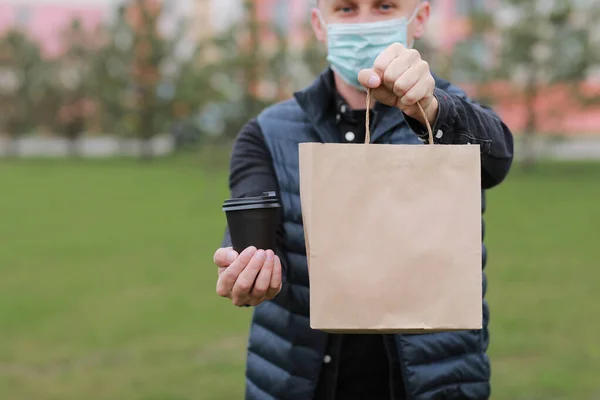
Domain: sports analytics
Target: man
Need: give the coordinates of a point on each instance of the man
(369, 46)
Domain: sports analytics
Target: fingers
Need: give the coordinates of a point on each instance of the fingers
(399, 77)
(254, 276)
(261, 286)
(419, 93)
(276, 279)
(394, 62)
(383, 60)
(372, 78)
(414, 85)
(243, 285)
(385, 96)
(229, 276)
(394, 71)
(223, 257)
(369, 78)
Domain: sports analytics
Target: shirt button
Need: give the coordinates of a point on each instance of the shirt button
(350, 136)
(343, 108)
(439, 134)
(327, 359)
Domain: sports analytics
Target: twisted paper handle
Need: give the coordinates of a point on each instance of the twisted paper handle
(368, 122)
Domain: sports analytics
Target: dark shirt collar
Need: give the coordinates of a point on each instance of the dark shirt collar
(320, 102)
(344, 112)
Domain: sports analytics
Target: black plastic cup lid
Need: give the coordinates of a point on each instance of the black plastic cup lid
(265, 200)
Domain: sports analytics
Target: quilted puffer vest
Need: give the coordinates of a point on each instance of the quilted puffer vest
(284, 354)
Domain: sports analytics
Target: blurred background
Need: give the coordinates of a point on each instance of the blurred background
(116, 123)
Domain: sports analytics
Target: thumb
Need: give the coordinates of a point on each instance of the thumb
(225, 256)
(369, 78)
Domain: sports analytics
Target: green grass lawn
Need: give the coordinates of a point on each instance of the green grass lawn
(107, 288)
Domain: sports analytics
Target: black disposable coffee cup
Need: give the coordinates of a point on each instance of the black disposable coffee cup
(253, 221)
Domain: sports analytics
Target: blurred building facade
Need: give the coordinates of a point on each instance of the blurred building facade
(450, 24)
(46, 22)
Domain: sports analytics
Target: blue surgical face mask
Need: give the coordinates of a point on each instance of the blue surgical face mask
(353, 47)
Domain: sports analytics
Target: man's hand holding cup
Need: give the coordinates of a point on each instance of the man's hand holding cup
(249, 278)
(249, 275)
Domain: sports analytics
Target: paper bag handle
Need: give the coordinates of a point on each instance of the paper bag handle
(368, 122)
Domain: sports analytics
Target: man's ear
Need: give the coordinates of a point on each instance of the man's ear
(421, 19)
(318, 28)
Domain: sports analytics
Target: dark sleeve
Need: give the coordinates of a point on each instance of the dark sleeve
(251, 169)
(461, 121)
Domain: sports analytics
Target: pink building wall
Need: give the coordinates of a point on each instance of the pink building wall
(450, 27)
(46, 23)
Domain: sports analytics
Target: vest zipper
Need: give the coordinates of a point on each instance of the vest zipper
(391, 367)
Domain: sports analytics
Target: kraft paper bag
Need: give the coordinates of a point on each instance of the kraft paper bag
(393, 236)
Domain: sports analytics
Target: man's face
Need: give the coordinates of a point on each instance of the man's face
(357, 11)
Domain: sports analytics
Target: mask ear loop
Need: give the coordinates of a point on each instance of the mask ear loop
(410, 20)
(321, 19)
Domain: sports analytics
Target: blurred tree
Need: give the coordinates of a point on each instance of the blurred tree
(314, 53)
(237, 66)
(535, 45)
(149, 80)
(22, 85)
(150, 49)
(111, 70)
(278, 64)
(132, 78)
(254, 65)
(169, 86)
(75, 81)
